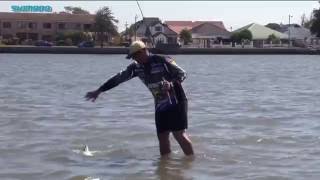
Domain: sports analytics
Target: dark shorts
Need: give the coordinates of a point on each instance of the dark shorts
(173, 119)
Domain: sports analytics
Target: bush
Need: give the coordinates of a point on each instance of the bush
(68, 42)
(11, 41)
(71, 38)
(60, 43)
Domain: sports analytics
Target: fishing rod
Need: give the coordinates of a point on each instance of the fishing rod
(143, 19)
(139, 8)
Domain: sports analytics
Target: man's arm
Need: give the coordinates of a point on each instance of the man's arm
(177, 73)
(119, 78)
(114, 81)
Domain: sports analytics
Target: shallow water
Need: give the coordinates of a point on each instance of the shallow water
(250, 117)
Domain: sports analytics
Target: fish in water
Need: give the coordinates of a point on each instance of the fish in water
(85, 151)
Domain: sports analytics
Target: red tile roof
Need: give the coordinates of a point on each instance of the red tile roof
(178, 26)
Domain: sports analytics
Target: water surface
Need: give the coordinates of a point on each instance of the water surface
(250, 117)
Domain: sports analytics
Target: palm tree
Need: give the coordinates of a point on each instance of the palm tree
(105, 24)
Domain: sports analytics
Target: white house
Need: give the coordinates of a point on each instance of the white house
(153, 32)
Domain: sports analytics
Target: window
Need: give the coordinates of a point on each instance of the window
(46, 25)
(87, 27)
(62, 26)
(6, 24)
(32, 25)
(77, 26)
(158, 28)
(22, 24)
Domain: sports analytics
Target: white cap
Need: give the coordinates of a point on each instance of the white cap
(135, 47)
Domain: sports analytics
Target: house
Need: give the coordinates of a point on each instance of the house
(162, 34)
(300, 36)
(152, 31)
(207, 34)
(42, 26)
(260, 34)
(178, 26)
(204, 33)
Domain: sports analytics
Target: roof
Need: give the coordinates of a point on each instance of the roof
(146, 22)
(52, 17)
(296, 31)
(284, 27)
(261, 32)
(149, 21)
(209, 29)
(142, 29)
(178, 26)
(169, 31)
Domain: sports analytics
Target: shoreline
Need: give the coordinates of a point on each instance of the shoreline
(189, 51)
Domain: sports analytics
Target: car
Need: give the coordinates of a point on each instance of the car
(86, 44)
(43, 43)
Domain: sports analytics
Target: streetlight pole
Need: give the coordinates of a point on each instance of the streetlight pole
(289, 38)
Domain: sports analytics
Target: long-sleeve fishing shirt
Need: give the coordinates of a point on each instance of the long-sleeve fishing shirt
(153, 73)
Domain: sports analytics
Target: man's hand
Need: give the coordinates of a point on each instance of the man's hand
(92, 95)
(166, 85)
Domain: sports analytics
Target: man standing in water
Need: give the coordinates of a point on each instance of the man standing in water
(163, 77)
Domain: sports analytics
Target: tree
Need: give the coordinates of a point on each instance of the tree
(244, 35)
(105, 24)
(235, 37)
(186, 36)
(306, 22)
(75, 10)
(274, 39)
(273, 26)
(315, 24)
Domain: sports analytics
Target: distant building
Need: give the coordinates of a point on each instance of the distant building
(152, 31)
(296, 31)
(204, 33)
(260, 34)
(300, 36)
(42, 26)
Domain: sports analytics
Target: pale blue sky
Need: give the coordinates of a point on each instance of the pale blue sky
(234, 14)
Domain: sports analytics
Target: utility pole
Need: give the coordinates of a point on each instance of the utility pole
(126, 24)
(135, 27)
(126, 34)
(289, 38)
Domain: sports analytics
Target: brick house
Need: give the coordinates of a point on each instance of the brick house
(204, 33)
(42, 26)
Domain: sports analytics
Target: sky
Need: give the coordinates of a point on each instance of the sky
(234, 14)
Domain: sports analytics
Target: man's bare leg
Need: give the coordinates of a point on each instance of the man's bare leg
(164, 143)
(184, 141)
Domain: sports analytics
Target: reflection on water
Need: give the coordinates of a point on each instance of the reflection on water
(173, 168)
(250, 117)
